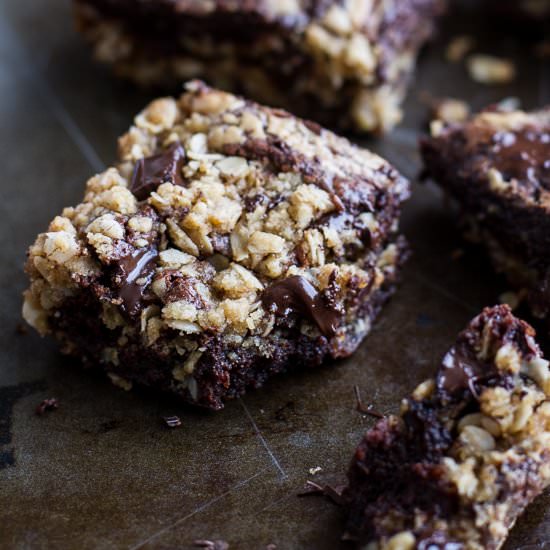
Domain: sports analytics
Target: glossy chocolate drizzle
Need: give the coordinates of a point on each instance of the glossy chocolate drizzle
(297, 295)
(135, 271)
(153, 171)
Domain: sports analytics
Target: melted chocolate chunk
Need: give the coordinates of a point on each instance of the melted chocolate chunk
(524, 156)
(459, 370)
(152, 171)
(134, 273)
(297, 295)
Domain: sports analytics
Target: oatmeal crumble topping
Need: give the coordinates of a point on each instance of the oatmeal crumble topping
(468, 452)
(346, 61)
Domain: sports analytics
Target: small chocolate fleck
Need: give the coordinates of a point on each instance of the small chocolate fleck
(361, 407)
(297, 295)
(150, 172)
(172, 421)
(48, 405)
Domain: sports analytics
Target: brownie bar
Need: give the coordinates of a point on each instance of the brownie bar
(343, 64)
(230, 243)
(497, 165)
(468, 452)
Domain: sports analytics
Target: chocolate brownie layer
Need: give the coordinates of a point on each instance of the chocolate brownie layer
(497, 166)
(468, 451)
(231, 242)
(342, 63)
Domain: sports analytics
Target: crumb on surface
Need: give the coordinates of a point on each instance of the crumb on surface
(489, 69)
(459, 47)
(450, 110)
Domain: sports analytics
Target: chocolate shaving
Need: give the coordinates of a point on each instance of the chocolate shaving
(48, 405)
(361, 408)
(150, 172)
(172, 421)
(334, 493)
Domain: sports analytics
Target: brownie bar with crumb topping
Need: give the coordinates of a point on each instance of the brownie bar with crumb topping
(468, 452)
(496, 165)
(230, 243)
(344, 64)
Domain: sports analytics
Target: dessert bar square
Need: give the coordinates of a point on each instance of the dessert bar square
(468, 452)
(497, 166)
(343, 64)
(231, 242)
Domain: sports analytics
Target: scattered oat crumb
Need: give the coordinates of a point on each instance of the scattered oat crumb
(172, 421)
(450, 110)
(211, 544)
(513, 299)
(456, 254)
(315, 470)
(488, 69)
(48, 405)
(459, 47)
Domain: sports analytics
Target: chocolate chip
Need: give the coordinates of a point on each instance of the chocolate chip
(297, 295)
(152, 171)
(51, 404)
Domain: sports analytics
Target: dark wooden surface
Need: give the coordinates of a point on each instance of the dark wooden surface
(102, 471)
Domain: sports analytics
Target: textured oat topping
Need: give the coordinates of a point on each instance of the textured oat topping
(468, 451)
(223, 222)
(351, 58)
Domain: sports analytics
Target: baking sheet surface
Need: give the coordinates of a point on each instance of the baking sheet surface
(102, 471)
